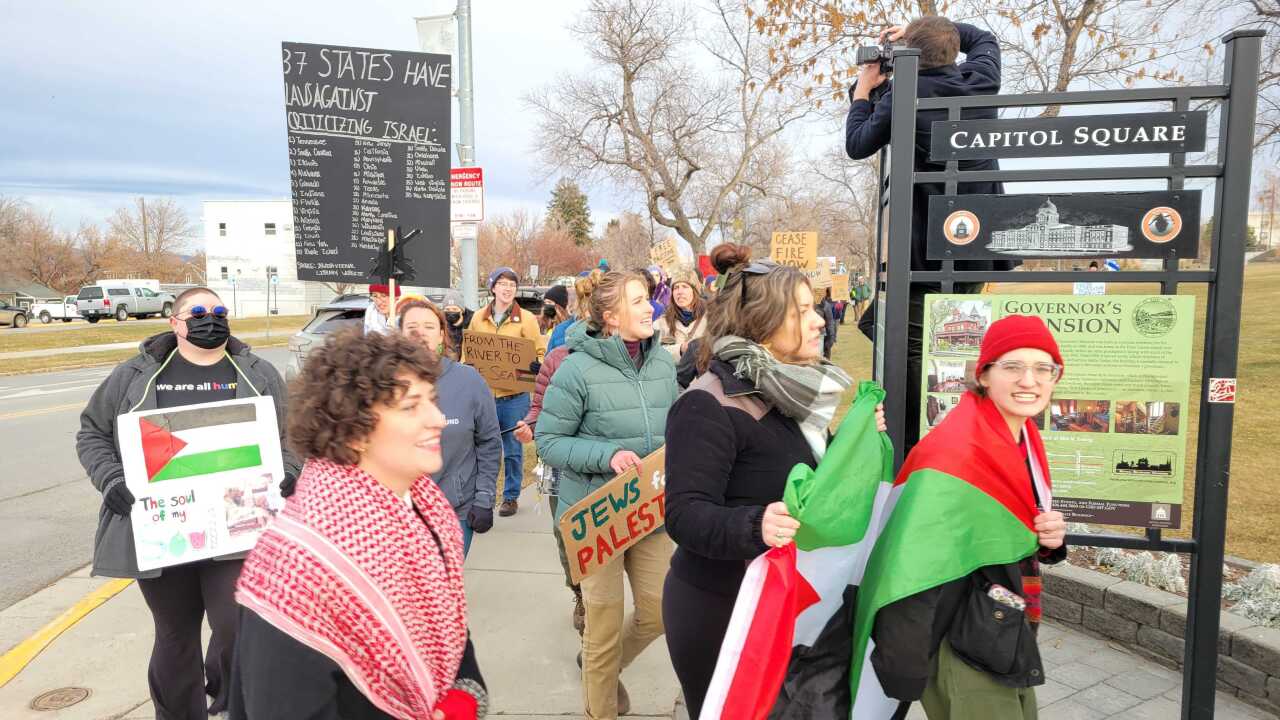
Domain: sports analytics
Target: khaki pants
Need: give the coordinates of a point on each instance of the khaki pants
(611, 642)
(959, 692)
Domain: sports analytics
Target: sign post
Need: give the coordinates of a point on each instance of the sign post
(1163, 225)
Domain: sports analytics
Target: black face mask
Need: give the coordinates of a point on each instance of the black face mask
(208, 332)
(452, 317)
(548, 311)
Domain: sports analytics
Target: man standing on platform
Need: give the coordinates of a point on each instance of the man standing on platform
(867, 130)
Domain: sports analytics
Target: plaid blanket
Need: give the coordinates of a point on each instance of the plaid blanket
(809, 394)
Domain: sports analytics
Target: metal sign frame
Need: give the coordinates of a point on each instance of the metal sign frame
(1224, 280)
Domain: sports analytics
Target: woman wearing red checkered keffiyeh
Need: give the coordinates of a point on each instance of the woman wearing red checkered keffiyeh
(354, 601)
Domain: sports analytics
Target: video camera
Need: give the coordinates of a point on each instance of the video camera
(882, 54)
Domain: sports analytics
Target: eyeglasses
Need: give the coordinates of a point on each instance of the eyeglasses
(199, 311)
(505, 284)
(1016, 370)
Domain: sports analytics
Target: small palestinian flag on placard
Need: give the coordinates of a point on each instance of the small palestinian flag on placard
(205, 441)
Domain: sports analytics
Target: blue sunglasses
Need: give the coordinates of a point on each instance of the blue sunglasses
(199, 311)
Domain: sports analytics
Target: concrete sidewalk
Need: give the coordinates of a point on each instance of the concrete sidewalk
(130, 345)
(520, 622)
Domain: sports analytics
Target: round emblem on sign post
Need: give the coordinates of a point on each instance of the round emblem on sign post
(961, 227)
(1161, 224)
(1155, 316)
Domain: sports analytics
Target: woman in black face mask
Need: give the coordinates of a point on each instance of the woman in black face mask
(555, 308)
(456, 318)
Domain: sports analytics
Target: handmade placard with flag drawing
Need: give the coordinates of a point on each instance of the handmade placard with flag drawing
(205, 477)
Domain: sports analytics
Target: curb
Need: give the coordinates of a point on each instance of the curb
(13, 662)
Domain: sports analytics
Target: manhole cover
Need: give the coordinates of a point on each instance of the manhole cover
(60, 698)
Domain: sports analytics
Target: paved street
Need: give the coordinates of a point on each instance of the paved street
(47, 506)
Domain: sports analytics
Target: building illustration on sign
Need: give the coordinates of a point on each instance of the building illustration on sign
(961, 330)
(1048, 235)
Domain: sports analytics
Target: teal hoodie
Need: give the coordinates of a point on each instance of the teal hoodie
(599, 403)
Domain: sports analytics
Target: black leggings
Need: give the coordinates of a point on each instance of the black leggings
(696, 621)
(179, 599)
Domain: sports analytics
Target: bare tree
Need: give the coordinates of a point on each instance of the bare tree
(653, 119)
(1048, 45)
(1259, 15)
(625, 242)
(157, 232)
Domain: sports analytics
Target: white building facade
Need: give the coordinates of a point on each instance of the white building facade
(246, 241)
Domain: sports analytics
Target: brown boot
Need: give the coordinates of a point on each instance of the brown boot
(624, 700)
(579, 612)
(508, 508)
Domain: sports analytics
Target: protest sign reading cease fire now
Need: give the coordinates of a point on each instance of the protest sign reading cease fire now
(616, 516)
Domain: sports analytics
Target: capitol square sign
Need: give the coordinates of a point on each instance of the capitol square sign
(1162, 224)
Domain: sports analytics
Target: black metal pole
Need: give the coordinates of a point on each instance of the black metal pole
(891, 315)
(1221, 347)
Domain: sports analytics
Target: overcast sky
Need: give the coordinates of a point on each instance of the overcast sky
(105, 101)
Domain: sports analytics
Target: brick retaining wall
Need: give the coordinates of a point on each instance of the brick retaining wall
(1152, 623)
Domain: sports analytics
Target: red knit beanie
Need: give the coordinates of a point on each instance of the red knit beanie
(1013, 332)
(385, 289)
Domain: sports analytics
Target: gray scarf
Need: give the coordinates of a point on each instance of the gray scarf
(809, 394)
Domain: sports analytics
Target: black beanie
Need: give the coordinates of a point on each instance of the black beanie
(559, 295)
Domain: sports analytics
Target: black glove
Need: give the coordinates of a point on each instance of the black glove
(287, 484)
(480, 517)
(118, 499)
(534, 367)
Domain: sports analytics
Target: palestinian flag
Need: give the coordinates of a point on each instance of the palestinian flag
(204, 441)
(787, 650)
(961, 501)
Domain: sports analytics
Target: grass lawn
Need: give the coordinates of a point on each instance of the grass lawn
(1254, 505)
(72, 361)
(110, 331)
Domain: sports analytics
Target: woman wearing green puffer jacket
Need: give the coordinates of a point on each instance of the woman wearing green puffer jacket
(605, 409)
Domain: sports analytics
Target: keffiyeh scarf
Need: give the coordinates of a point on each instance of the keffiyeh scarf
(808, 394)
(353, 572)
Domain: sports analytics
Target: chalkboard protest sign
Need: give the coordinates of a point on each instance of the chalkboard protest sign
(1071, 225)
(623, 511)
(796, 249)
(1161, 132)
(503, 361)
(368, 150)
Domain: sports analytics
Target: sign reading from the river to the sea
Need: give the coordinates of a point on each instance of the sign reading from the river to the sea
(617, 515)
(1160, 132)
(206, 478)
(1115, 431)
(1068, 225)
(368, 151)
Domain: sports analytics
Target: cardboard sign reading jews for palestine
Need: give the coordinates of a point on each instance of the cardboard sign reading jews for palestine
(619, 514)
(368, 150)
(206, 478)
(797, 249)
(502, 361)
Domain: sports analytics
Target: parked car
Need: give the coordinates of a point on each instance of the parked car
(65, 311)
(13, 315)
(341, 312)
(121, 302)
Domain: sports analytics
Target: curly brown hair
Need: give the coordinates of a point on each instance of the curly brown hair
(332, 403)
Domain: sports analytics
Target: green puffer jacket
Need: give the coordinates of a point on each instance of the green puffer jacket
(597, 404)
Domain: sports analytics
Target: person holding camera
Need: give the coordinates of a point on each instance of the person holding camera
(867, 131)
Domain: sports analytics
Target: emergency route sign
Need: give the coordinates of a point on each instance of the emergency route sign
(466, 199)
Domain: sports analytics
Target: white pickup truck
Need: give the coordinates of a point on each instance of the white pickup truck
(48, 311)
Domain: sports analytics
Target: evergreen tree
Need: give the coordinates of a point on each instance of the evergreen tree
(568, 207)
